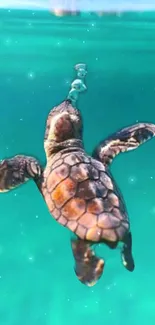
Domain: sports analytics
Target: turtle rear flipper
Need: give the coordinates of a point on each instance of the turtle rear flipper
(88, 267)
(126, 253)
(17, 170)
(126, 139)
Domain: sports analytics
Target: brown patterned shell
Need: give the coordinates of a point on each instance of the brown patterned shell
(82, 196)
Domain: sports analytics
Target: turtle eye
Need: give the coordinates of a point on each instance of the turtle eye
(77, 124)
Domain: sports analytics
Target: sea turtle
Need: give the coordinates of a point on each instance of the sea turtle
(79, 189)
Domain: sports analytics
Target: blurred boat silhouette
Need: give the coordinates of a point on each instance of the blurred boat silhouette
(62, 8)
(62, 12)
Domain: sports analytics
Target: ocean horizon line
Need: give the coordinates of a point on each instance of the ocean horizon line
(78, 12)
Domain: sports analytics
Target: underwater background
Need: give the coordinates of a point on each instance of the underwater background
(38, 52)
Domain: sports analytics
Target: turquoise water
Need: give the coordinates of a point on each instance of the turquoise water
(37, 55)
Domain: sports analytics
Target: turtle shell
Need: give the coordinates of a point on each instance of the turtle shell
(81, 195)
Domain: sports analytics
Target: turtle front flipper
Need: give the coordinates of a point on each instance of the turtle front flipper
(126, 253)
(124, 140)
(88, 267)
(17, 170)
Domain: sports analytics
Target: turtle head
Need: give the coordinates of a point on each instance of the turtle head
(63, 128)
